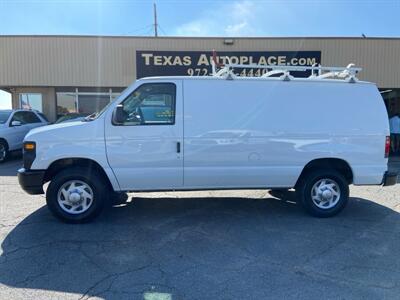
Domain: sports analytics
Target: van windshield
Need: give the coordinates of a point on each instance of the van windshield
(4, 115)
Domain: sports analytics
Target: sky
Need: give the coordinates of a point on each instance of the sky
(202, 18)
(295, 18)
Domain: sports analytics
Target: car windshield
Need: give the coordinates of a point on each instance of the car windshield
(4, 115)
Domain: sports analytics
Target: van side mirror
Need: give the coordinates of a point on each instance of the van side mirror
(16, 123)
(118, 115)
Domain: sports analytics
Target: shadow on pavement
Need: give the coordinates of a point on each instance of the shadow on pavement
(11, 166)
(209, 248)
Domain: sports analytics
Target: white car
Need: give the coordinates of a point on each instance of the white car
(317, 135)
(14, 125)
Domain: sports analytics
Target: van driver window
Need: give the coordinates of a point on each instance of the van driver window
(151, 104)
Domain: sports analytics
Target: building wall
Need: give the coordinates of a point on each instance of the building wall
(46, 64)
(111, 61)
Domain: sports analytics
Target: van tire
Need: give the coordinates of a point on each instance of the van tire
(87, 180)
(3, 151)
(312, 183)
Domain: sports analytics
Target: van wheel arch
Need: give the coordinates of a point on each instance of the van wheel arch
(323, 193)
(61, 164)
(337, 164)
(77, 195)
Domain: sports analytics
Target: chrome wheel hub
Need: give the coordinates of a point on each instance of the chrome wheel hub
(325, 193)
(75, 197)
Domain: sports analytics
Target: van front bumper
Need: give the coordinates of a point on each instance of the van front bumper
(390, 178)
(31, 181)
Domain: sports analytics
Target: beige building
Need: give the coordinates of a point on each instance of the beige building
(80, 74)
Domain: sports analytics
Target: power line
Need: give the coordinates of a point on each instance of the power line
(150, 31)
(162, 30)
(151, 28)
(144, 29)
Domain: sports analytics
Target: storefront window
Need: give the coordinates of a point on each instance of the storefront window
(83, 100)
(66, 104)
(31, 101)
(89, 104)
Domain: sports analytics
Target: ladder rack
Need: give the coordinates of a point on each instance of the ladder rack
(348, 73)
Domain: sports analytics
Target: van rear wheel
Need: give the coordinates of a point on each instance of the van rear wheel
(323, 193)
(77, 195)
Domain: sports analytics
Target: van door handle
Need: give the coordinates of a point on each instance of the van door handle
(178, 147)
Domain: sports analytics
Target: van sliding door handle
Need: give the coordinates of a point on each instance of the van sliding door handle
(178, 147)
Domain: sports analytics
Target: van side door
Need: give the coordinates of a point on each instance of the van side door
(144, 151)
(229, 138)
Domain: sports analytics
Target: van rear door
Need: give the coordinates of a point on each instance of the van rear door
(144, 152)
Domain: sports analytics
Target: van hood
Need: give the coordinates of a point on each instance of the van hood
(54, 127)
(61, 131)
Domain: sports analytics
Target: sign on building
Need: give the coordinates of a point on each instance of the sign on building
(198, 63)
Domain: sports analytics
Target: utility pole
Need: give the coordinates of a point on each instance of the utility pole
(155, 21)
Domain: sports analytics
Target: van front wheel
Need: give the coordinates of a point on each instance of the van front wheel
(76, 195)
(323, 193)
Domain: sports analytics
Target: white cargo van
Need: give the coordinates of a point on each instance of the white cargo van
(316, 135)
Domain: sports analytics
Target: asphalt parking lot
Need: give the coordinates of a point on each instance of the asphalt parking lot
(208, 245)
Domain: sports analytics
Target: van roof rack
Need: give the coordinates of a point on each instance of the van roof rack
(348, 73)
